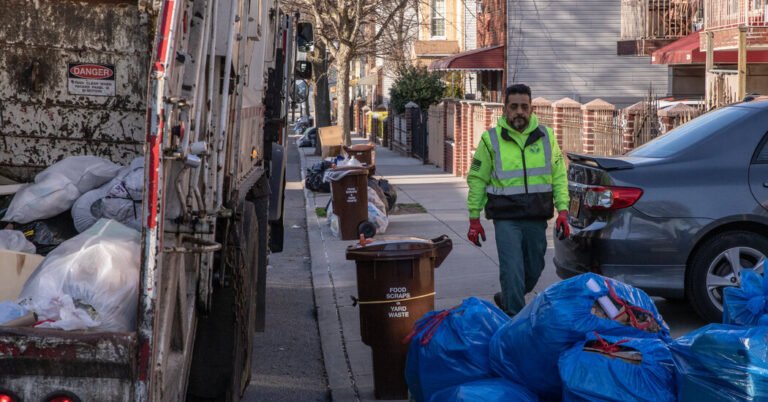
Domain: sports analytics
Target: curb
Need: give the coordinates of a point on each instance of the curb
(341, 382)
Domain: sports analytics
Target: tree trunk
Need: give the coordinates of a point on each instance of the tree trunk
(322, 100)
(342, 93)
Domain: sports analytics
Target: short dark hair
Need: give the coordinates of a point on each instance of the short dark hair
(517, 89)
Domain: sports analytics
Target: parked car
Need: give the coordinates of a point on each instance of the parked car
(680, 216)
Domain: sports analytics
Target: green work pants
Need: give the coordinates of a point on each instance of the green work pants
(521, 245)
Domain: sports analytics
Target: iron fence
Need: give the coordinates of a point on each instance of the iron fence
(419, 133)
(571, 130)
(608, 132)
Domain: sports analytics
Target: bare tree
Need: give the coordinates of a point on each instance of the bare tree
(396, 42)
(349, 29)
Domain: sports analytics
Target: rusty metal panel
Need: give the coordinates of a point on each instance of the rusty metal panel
(96, 366)
(63, 24)
(50, 352)
(40, 121)
(87, 389)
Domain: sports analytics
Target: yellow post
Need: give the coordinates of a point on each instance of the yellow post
(742, 63)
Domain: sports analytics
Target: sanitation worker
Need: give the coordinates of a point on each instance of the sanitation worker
(518, 176)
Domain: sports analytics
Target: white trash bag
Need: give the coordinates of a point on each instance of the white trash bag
(378, 218)
(57, 188)
(84, 214)
(89, 281)
(14, 240)
(123, 201)
(373, 197)
(10, 311)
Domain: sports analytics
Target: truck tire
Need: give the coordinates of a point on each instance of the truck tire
(259, 195)
(221, 363)
(276, 232)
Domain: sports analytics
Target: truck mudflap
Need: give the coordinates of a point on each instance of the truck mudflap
(35, 363)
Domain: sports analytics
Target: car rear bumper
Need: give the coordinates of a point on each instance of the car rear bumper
(656, 280)
(638, 250)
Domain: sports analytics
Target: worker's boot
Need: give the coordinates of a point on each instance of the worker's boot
(498, 300)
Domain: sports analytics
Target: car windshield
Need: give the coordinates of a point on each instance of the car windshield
(692, 132)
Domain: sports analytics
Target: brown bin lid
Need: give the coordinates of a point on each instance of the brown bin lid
(355, 170)
(359, 147)
(401, 247)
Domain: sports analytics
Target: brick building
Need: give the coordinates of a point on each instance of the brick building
(722, 21)
(484, 64)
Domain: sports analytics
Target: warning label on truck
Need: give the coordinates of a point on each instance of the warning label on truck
(91, 79)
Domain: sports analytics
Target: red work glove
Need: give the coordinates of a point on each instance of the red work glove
(561, 225)
(475, 231)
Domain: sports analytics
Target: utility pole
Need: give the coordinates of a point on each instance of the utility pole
(742, 91)
(710, 64)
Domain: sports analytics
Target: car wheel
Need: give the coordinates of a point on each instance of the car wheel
(717, 265)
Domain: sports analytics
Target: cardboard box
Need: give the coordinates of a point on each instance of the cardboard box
(15, 269)
(331, 140)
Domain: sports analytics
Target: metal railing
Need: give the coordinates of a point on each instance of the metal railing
(450, 115)
(647, 123)
(723, 88)
(545, 114)
(400, 131)
(496, 112)
(478, 126)
(609, 136)
(437, 135)
(571, 130)
(720, 14)
(660, 19)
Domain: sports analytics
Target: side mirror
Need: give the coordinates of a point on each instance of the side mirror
(305, 37)
(303, 70)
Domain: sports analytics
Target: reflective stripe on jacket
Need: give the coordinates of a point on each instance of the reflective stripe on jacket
(517, 175)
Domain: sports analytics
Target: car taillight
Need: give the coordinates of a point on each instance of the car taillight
(611, 197)
(63, 397)
(6, 397)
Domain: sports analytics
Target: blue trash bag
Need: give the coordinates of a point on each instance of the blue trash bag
(747, 304)
(450, 347)
(10, 311)
(722, 363)
(526, 350)
(488, 390)
(618, 369)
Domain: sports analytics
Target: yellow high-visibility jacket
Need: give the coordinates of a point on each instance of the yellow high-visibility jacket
(517, 175)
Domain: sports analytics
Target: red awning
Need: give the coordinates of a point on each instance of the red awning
(489, 58)
(686, 51)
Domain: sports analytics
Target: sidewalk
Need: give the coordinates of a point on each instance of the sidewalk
(468, 270)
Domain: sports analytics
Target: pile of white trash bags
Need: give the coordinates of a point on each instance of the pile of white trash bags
(89, 281)
(90, 186)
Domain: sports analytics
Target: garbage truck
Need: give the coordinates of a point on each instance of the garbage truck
(199, 89)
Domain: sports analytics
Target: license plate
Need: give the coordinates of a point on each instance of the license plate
(575, 206)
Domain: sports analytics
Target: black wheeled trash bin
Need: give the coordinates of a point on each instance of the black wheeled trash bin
(396, 287)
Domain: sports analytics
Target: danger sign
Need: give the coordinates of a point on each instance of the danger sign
(91, 79)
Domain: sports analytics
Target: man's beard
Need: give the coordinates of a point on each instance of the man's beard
(519, 123)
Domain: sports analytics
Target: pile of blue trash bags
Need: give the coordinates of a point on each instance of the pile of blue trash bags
(590, 338)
